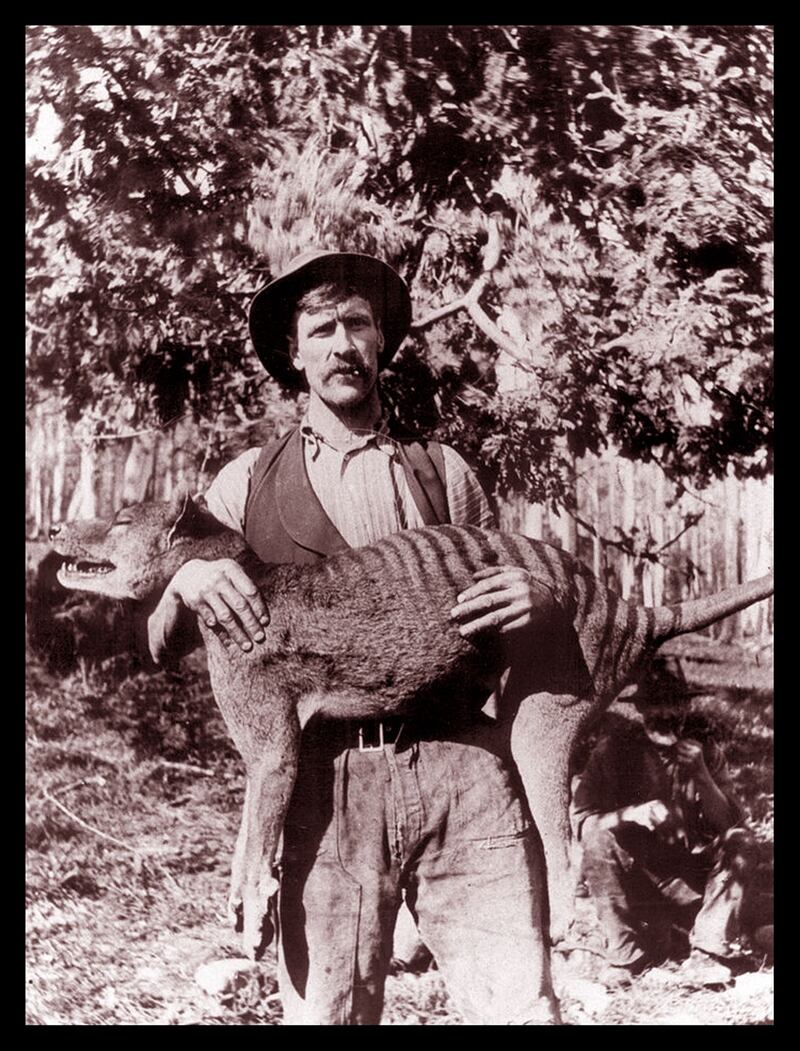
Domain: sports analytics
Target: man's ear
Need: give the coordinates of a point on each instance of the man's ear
(292, 345)
(183, 510)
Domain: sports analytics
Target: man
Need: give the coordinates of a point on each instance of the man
(426, 808)
(661, 833)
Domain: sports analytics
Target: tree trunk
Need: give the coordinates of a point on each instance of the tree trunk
(627, 479)
(138, 479)
(84, 503)
(35, 475)
(729, 628)
(59, 467)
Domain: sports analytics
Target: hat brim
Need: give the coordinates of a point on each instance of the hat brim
(273, 307)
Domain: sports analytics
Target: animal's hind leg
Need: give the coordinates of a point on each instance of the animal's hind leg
(542, 737)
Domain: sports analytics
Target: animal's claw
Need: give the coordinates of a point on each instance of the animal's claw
(258, 940)
(236, 915)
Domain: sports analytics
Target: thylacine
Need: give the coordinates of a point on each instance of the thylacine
(366, 634)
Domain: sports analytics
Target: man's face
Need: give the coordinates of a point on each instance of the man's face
(337, 348)
(664, 725)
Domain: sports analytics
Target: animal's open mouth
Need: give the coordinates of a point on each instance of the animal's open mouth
(87, 569)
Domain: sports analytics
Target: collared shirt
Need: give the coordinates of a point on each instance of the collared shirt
(360, 484)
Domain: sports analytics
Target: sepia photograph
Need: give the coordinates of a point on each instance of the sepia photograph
(399, 525)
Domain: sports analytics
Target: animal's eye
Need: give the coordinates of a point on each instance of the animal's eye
(121, 522)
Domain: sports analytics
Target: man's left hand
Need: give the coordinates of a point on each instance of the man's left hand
(689, 754)
(505, 598)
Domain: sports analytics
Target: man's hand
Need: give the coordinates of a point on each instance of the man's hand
(650, 815)
(505, 598)
(224, 596)
(690, 756)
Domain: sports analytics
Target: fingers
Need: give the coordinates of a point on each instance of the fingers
(495, 620)
(493, 571)
(501, 598)
(219, 612)
(237, 613)
(489, 611)
(226, 598)
(249, 593)
(494, 578)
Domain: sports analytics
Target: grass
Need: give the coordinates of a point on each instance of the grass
(134, 796)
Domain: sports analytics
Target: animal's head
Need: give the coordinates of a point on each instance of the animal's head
(135, 554)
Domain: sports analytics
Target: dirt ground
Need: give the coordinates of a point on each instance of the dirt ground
(128, 862)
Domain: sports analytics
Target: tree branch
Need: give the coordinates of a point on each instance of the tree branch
(504, 342)
(190, 768)
(627, 548)
(691, 520)
(469, 302)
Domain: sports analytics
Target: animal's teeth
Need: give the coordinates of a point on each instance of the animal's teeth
(91, 569)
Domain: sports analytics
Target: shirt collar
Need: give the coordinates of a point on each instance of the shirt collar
(378, 435)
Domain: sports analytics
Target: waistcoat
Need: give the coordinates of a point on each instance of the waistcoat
(284, 520)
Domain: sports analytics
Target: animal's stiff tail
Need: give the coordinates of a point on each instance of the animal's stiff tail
(699, 613)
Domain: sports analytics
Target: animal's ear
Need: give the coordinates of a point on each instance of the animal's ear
(183, 512)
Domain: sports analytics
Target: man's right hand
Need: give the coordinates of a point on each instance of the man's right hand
(224, 596)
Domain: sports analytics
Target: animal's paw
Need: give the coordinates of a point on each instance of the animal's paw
(560, 925)
(257, 941)
(235, 913)
(257, 927)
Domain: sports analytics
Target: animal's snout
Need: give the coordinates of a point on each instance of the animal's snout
(54, 531)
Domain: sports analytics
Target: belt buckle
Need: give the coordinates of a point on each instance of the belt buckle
(364, 747)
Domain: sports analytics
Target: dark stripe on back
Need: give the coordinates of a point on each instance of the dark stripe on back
(512, 553)
(414, 569)
(631, 623)
(480, 546)
(440, 552)
(609, 604)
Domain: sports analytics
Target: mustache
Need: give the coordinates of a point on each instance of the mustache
(349, 366)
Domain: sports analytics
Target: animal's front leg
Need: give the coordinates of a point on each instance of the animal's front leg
(234, 909)
(270, 780)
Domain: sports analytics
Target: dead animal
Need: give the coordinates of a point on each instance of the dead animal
(366, 634)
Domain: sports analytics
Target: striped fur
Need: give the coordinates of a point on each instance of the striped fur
(366, 633)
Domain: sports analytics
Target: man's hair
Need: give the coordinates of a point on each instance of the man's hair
(330, 294)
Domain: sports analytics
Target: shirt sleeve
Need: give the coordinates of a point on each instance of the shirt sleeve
(466, 499)
(226, 497)
(718, 768)
(594, 790)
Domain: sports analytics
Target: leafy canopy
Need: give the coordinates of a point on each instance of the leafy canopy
(583, 214)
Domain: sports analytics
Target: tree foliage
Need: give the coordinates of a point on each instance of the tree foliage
(583, 214)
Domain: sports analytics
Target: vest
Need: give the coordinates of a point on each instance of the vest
(284, 520)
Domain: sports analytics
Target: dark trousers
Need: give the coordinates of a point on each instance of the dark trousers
(638, 880)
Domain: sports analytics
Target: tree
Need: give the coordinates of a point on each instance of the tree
(582, 213)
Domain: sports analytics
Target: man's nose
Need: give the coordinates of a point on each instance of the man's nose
(342, 339)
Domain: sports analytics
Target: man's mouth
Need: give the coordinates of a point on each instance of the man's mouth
(349, 371)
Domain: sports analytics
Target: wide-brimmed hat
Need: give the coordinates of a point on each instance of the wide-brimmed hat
(273, 305)
(663, 685)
